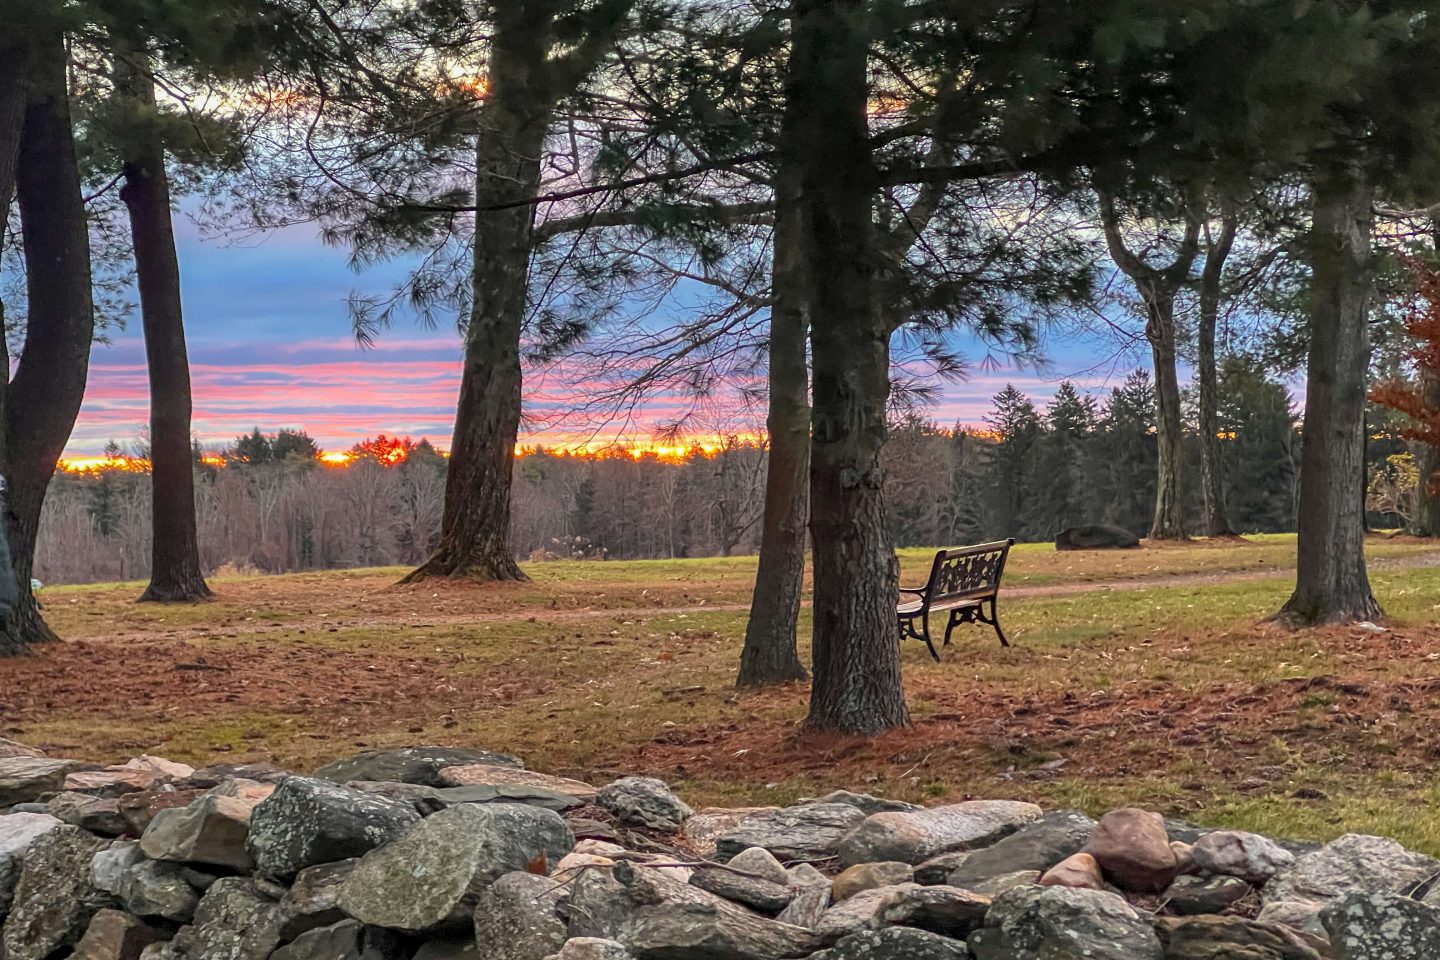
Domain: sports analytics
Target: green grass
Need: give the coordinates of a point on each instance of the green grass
(1173, 695)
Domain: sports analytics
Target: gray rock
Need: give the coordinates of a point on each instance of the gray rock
(1352, 864)
(1299, 915)
(164, 950)
(599, 906)
(1382, 926)
(868, 876)
(234, 921)
(158, 888)
(811, 831)
(345, 940)
(811, 897)
(860, 912)
(1063, 923)
(919, 835)
(644, 802)
(1230, 938)
(448, 948)
(110, 868)
(757, 892)
(26, 779)
(868, 804)
(410, 764)
(431, 876)
(1235, 853)
(1190, 895)
(55, 898)
(895, 943)
(948, 911)
(700, 931)
(591, 948)
(1039, 845)
(99, 815)
(431, 799)
(113, 935)
(938, 869)
(210, 830)
(306, 822)
(516, 918)
(18, 832)
(707, 826)
(12, 748)
(313, 900)
(1006, 881)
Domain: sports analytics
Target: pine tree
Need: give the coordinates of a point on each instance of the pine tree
(1124, 455)
(1260, 445)
(1060, 464)
(1015, 426)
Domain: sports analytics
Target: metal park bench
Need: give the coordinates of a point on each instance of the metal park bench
(964, 583)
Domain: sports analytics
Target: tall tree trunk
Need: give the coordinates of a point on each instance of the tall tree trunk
(1331, 581)
(1169, 521)
(475, 529)
(1216, 522)
(770, 654)
(1426, 522)
(855, 645)
(175, 572)
(44, 395)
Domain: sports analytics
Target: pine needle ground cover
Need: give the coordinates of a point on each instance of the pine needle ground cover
(1142, 677)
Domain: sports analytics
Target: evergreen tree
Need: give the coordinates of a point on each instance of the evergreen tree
(1060, 498)
(1123, 467)
(1015, 426)
(1261, 447)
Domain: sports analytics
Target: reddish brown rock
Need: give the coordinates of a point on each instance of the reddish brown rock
(1080, 871)
(139, 809)
(113, 935)
(110, 781)
(1133, 850)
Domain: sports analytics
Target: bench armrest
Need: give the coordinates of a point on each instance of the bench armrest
(918, 591)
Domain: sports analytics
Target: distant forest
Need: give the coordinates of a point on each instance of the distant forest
(269, 505)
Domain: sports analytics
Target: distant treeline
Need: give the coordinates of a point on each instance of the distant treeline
(274, 507)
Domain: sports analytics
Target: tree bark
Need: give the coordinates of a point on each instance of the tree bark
(175, 571)
(1169, 520)
(44, 395)
(1332, 585)
(857, 686)
(770, 655)
(1158, 287)
(475, 529)
(1216, 522)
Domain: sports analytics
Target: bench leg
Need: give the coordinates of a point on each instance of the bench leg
(995, 622)
(925, 621)
(955, 620)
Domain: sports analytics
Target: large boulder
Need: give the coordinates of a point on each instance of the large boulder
(1354, 863)
(948, 911)
(517, 918)
(56, 897)
(432, 799)
(410, 764)
(210, 830)
(1039, 846)
(1096, 536)
(234, 921)
(895, 943)
(343, 940)
(1134, 850)
(868, 876)
(110, 781)
(811, 831)
(1235, 853)
(432, 875)
(159, 888)
(867, 803)
(308, 821)
(753, 878)
(1061, 923)
(1382, 926)
(18, 832)
(113, 935)
(703, 931)
(498, 775)
(313, 900)
(96, 814)
(1231, 938)
(859, 912)
(138, 809)
(644, 802)
(27, 779)
(916, 836)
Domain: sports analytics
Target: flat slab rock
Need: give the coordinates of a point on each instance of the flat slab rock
(1038, 845)
(709, 824)
(699, 931)
(1354, 863)
(25, 779)
(916, 836)
(1230, 938)
(489, 775)
(432, 799)
(811, 831)
(410, 764)
(1060, 923)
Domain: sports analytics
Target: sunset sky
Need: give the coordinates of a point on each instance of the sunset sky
(270, 346)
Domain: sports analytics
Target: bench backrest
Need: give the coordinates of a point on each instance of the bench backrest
(968, 572)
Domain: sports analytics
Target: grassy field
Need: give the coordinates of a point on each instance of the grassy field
(1143, 676)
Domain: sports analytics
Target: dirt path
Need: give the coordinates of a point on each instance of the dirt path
(621, 613)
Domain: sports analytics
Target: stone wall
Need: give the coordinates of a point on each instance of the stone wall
(433, 853)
